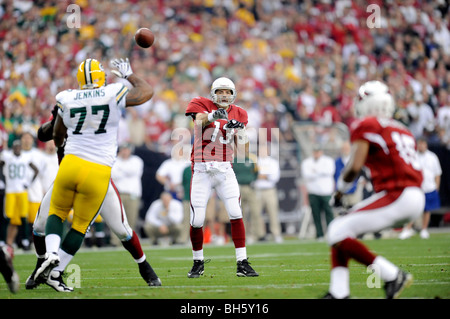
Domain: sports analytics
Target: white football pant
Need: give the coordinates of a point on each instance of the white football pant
(112, 212)
(376, 213)
(205, 177)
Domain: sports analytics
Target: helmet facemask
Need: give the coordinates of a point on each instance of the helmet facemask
(223, 100)
(219, 99)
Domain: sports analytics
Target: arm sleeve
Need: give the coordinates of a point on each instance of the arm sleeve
(121, 96)
(362, 128)
(243, 117)
(195, 106)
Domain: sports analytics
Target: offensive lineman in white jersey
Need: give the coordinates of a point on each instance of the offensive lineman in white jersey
(89, 117)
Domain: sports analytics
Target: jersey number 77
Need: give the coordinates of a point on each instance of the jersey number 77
(95, 110)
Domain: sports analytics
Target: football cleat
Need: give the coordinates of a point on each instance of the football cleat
(395, 287)
(31, 283)
(197, 269)
(149, 274)
(43, 272)
(55, 280)
(14, 283)
(245, 270)
(328, 295)
(154, 282)
(7, 268)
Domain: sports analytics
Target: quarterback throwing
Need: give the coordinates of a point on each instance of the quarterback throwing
(218, 126)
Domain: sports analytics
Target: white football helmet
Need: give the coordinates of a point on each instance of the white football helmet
(225, 84)
(374, 99)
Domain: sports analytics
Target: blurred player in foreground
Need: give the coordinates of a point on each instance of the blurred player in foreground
(89, 118)
(7, 268)
(218, 126)
(388, 149)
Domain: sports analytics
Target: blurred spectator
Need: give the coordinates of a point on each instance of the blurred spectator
(266, 190)
(17, 181)
(186, 182)
(432, 172)
(324, 112)
(317, 172)
(126, 175)
(35, 189)
(170, 174)
(354, 195)
(421, 115)
(246, 171)
(296, 48)
(443, 117)
(136, 127)
(164, 218)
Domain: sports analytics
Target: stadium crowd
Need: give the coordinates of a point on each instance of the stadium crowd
(291, 60)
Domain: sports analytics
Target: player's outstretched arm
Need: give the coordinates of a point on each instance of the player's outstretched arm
(207, 118)
(141, 91)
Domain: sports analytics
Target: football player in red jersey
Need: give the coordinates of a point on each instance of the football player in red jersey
(388, 149)
(218, 126)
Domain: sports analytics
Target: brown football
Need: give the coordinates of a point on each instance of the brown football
(144, 37)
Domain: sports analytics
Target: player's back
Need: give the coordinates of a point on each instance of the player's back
(92, 118)
(392, 157)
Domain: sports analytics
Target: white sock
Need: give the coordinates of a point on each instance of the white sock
(197, 254)
(138, 261)
(241, 253)
(52, 242)
(388, 271)
(64, 260)
(340, 282)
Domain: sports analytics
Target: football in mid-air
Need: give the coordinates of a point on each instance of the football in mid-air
(144, 37)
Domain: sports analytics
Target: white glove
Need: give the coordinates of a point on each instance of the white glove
(123, 68)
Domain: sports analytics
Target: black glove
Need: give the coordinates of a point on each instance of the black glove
(336, 200)
(220, 114)
(234, 124)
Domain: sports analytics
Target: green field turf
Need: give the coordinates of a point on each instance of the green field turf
(292, 270)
